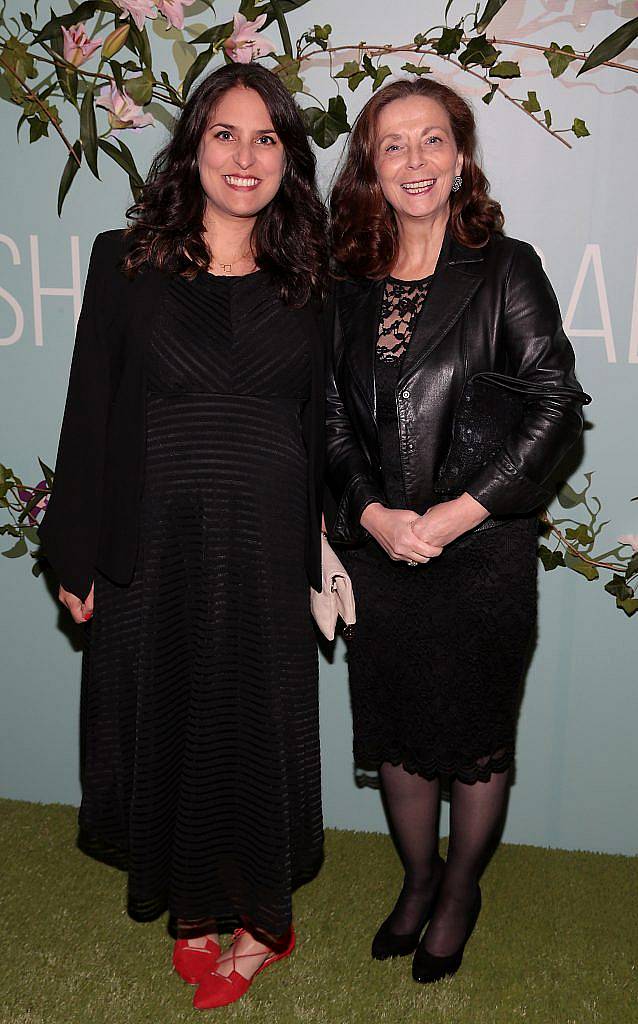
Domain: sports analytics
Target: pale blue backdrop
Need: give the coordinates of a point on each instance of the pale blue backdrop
(576, 779)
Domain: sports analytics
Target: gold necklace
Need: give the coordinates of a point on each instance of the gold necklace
(227, 268)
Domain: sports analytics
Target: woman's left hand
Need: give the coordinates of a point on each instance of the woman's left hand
(443, 523)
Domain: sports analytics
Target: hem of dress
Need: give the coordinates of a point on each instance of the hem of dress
(430, 770)
(144, 911)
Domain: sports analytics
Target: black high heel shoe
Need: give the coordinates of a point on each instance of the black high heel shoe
(387, 944)
(427, 968)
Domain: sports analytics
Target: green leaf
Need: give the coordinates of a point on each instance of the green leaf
(215, 35)
(531, 104)
(351, 67)
(479, 51)
(138, 43)
(629, 605)
(18, 549)
(550, 559)
(505, 69)
(449, 42)
(611, 46)
(83, 12)
(325, 126)
(352, 71)
(381, 75)
(581, 534)
(36, 569)
(47, 472)
(71, 168)
(88, 131)
(141, 89)
(31, 533)
(196, 69)
(579, 128)
(558, 62)
(124, 160)
(5, 88)
(489, 96)
(416, 69)
(492, 8)
(288, 74)
(37, 129)
(547, 114)
(116, 69)
(618, 588)
(590, 572)
(569, 498)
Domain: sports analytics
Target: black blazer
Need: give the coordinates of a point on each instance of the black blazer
(92, 518)
(489, 309)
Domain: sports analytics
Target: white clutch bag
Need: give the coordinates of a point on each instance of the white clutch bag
(336, 597)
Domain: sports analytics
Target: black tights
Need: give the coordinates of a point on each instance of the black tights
(476, 813)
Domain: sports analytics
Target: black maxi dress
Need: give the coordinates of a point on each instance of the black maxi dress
(438, 654)
(201, 770)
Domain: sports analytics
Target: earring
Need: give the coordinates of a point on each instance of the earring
(456, 184)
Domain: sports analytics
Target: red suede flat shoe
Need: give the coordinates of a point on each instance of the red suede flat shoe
(216, 990)
(192, 962)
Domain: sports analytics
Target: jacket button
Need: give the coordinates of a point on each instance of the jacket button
(405, 394)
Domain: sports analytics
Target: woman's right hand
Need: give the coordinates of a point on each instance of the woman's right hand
(81, 611)
(392, 529)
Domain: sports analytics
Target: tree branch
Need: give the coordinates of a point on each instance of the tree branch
(565, 53)
(36, 99)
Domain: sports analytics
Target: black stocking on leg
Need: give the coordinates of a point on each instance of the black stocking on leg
(476, 815)
(412, 806)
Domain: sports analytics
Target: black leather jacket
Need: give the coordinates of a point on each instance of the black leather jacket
(489, 309)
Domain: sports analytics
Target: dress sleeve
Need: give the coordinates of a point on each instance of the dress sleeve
(517, 479)
(70, 529)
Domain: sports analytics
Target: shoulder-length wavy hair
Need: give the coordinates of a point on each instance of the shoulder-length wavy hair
(290, 234)
(365, 240)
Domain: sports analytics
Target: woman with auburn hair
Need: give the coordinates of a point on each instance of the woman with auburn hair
(195, 409)
(452, 400)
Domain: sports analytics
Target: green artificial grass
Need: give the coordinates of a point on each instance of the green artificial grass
(556, 943)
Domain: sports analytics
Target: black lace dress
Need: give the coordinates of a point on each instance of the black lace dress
(437, 657)
(201, 771)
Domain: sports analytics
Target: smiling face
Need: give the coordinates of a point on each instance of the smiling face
(416, 157)
(241, 158)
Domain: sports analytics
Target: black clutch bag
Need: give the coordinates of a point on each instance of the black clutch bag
(491, 407)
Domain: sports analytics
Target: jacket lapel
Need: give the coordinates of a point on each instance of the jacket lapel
(458, 275)
(359, 309)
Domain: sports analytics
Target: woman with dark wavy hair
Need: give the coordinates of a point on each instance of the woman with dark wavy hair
(185, 525)
(452, 400)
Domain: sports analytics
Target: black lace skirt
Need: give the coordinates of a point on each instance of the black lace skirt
(439, 652)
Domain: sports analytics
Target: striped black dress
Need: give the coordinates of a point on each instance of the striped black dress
(200, 723)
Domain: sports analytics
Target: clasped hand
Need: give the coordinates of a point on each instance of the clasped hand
(409, 538)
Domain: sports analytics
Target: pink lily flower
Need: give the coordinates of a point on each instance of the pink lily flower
(123, 112)
(245, 44)
(26, 494)
(631, 539)
(77, 45)
(138, 9)
(173, 11)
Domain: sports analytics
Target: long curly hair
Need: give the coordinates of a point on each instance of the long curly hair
(365, 239)
(290, 234)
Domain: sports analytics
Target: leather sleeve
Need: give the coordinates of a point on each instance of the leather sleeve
(70, 528)
(348, 468)
(538, 350)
